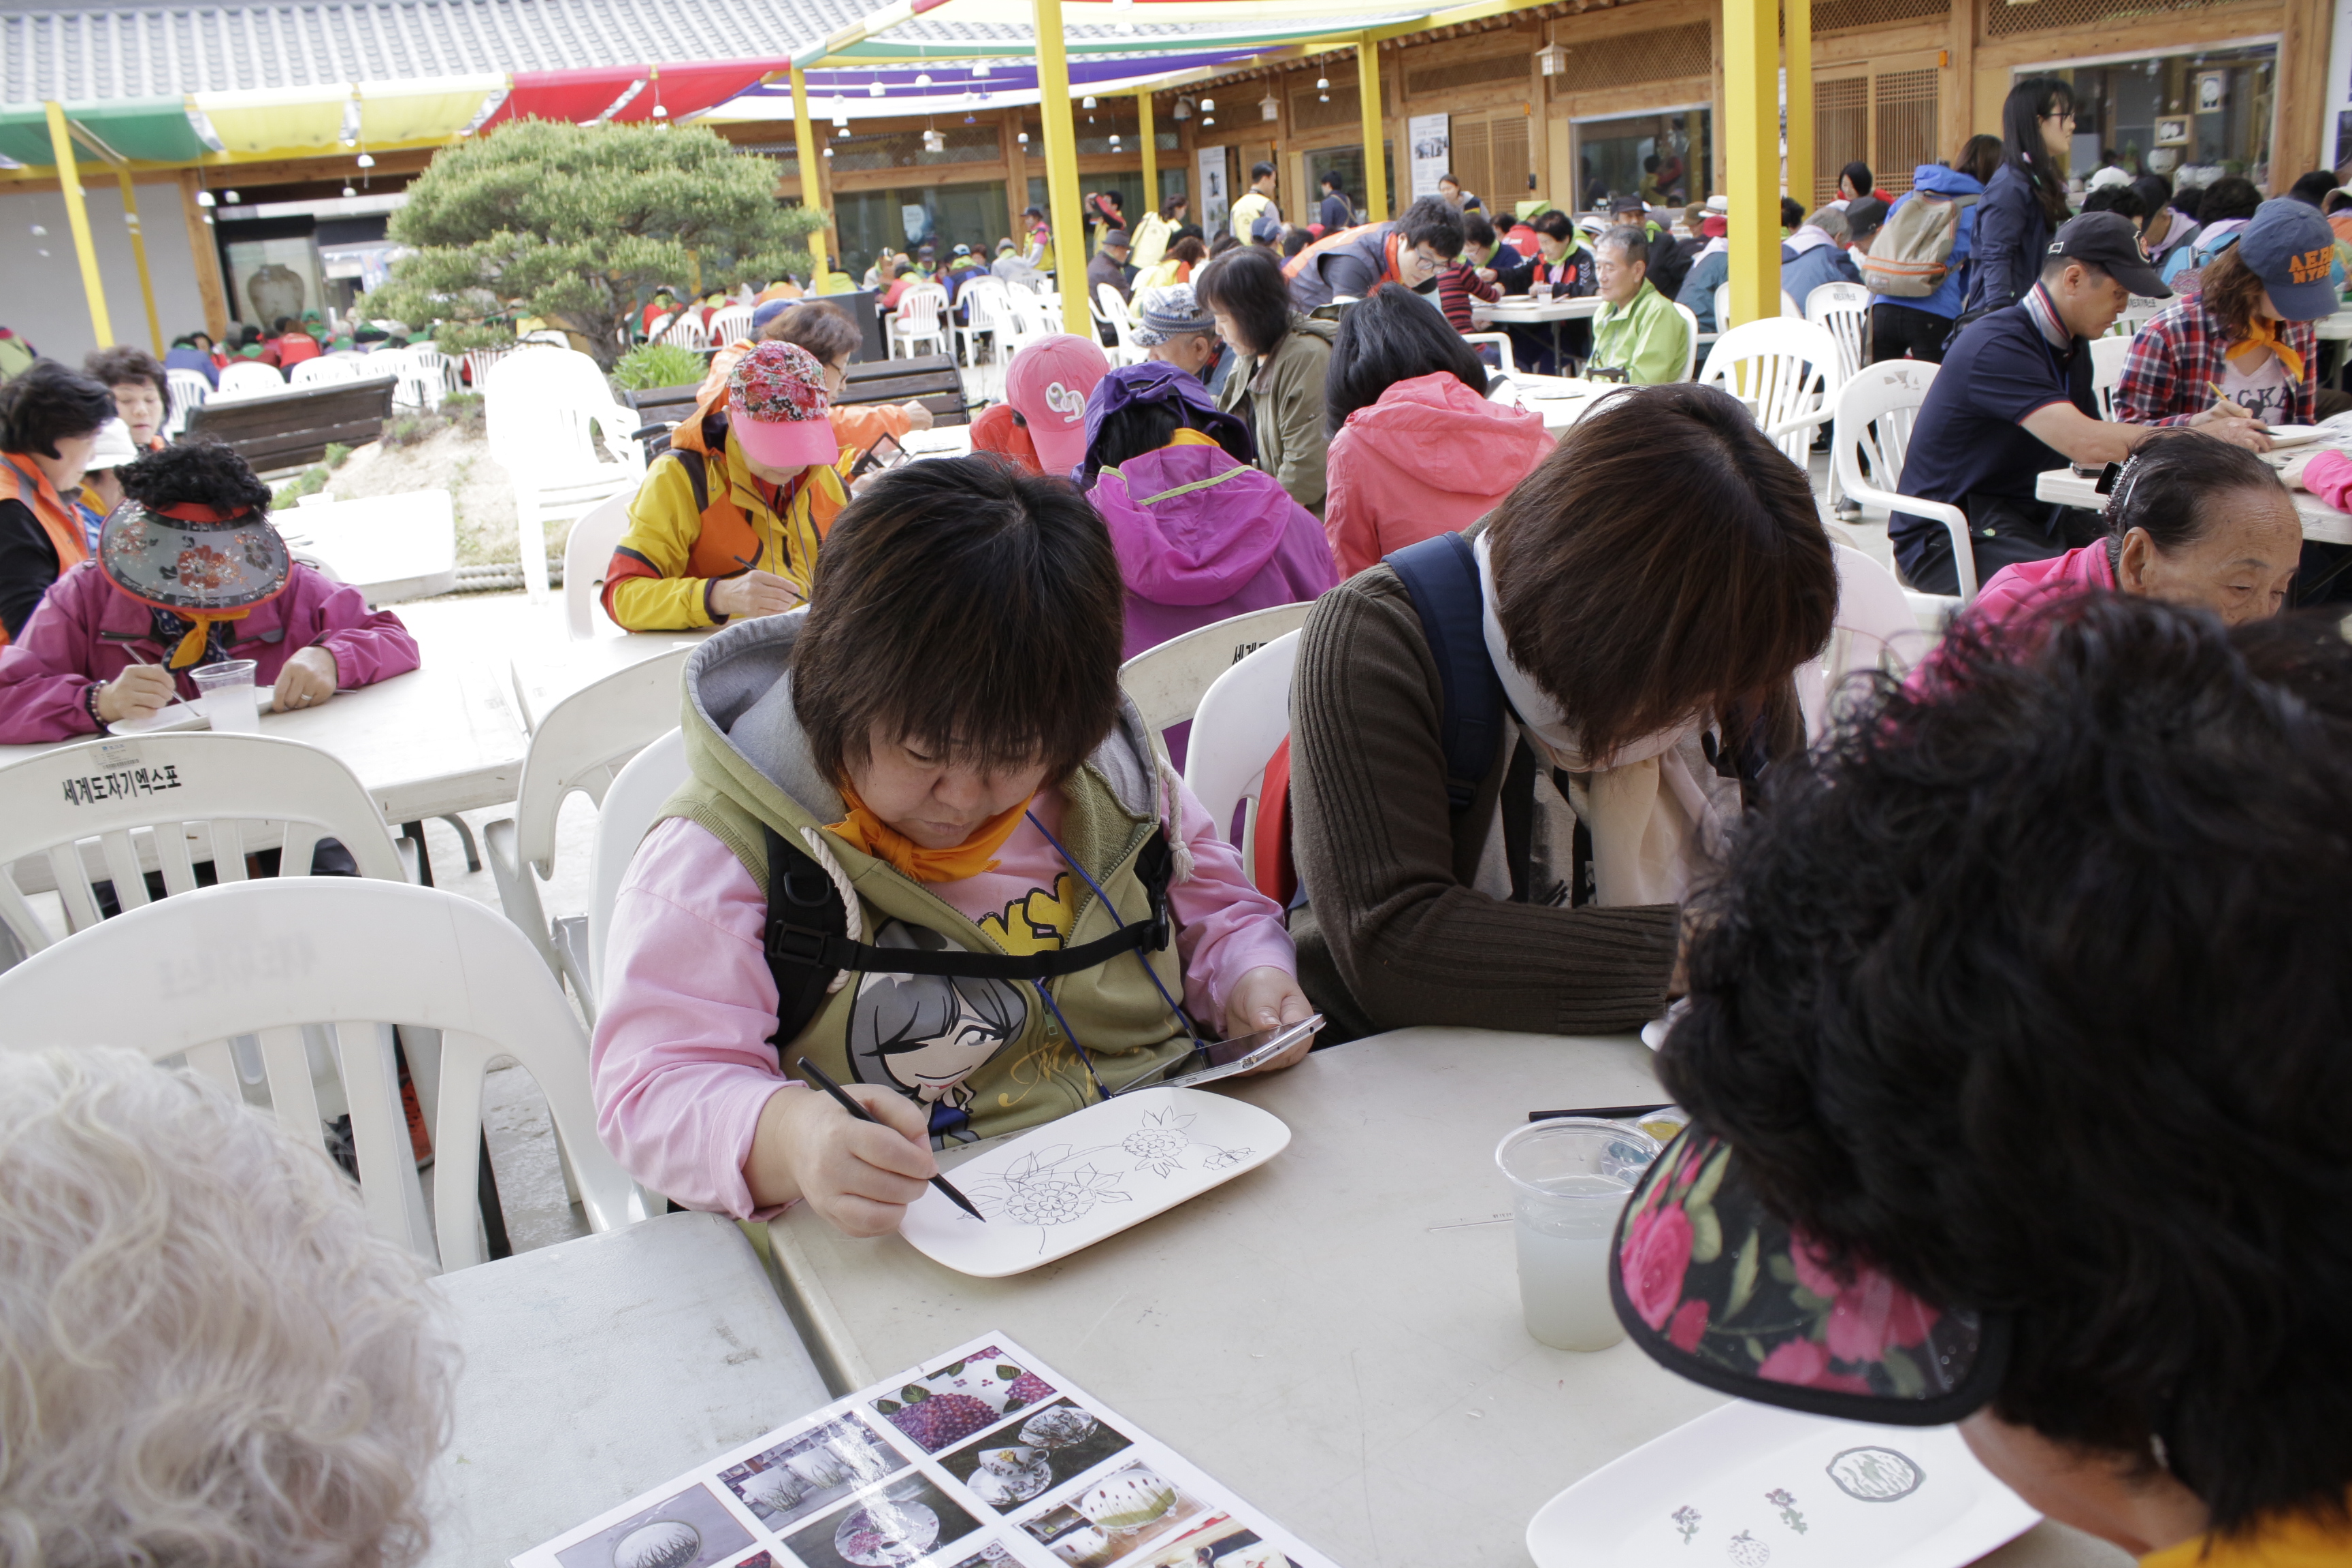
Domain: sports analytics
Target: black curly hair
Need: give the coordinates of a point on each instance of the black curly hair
(2033, 992)
(199, 470)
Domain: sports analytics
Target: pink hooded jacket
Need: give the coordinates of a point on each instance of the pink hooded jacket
(2030, 585)
(1431, 456)
(84, 631)
(1202, 537)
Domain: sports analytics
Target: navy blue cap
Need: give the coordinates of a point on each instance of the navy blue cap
(2293, 250)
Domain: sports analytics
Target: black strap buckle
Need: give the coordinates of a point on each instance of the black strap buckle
(799, 944)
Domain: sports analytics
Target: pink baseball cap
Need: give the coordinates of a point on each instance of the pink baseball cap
(1048, 384)
(777, 407)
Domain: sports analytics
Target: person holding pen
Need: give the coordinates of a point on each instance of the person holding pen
(2014, 399)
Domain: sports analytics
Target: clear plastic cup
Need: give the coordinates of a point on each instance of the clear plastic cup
(225, 696)
(1569, 1179)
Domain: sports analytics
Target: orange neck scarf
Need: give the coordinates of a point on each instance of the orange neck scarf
(868, 833)
(2260, 335)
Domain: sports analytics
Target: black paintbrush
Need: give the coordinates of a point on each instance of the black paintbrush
(1599, 1113)
(816, 1075)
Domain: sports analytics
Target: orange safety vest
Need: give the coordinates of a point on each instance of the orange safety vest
(1299, 263)
(21, 481)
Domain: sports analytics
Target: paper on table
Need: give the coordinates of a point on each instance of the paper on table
(181, 715)
(983, 1459)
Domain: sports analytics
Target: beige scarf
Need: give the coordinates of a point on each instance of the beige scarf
(1652, 807)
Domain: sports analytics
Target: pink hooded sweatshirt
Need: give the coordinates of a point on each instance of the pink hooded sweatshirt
(2030, 585)
(86, 630)
(1431, 456)
(1202, 537)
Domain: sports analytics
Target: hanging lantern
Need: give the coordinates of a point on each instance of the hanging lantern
(1087, 101)
(980, 71)
(1269, 107)
(844, 132)
(349, 193)
(874, 88)
(922, 78)
(828, 152)
(205, 199)
(1207, 121)
(366, 159)
(1023, 138)
(229, 197)
(1552, 59)
(1322, 84)
(1183, 109)
(1208, 105)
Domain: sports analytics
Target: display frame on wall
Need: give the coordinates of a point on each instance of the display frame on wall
(2172, 131)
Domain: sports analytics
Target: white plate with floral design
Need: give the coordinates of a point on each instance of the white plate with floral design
(1093, 1174)
(1752, 1485)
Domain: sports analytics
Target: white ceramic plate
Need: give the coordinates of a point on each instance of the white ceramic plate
(2297, 435)
(1734, 1485)
(1093, 1174)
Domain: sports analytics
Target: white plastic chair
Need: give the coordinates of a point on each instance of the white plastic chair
(1875, 629)
(1845, 310)
(587, 554)
(190, 391)
(727, 325)
(686, 331)
(1241, 719)
(982, 304)
(1690, 337)
(1115, 315)
(477, 364)
(2108, 357)
(426, 375)
(660, 325)
(1169, 681)
(544, 410)
(1026, 323)
(1500, 341)
(1723, 307)
(921, 317)
(112, 809)
(323, 371)
(1780, 367)
(1875, 414)
(638, 792)
(581, 744)
(249, 378)
(266, 958)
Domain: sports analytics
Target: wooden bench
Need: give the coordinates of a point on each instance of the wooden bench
(930, 380)
(292, 430)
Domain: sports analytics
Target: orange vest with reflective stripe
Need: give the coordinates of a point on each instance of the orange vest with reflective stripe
(21, 481)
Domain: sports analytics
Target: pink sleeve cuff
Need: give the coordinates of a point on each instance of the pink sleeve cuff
(2328, 476)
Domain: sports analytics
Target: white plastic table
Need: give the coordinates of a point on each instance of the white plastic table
(2320, 521)
(1518, 309)
(550, 672)
(1336, 1334)
(597, 1368)
(391, 548)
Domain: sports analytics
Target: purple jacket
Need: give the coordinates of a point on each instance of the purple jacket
(1202, 537)
(84, 630)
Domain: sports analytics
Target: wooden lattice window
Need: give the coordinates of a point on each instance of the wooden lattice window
(1887, 120)
(1309, 113)
(1840, 131)
(1483, 72)
(1490, 155)
(1662, 54)
(2005, 18)
(1835, 16)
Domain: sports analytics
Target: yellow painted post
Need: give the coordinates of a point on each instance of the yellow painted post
(1150, 137)
(1368, 97)
(1752, 139)
(1799, 56)
(77, 217)
(804, 149)
(139, 254)
(1061, 166)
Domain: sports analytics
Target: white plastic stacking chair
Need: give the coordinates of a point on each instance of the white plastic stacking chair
(477, 364)
(1122, 328)
(727, 325)
(921, 317)
(1690, 338)
(1168, 682)
(267, 958)
(1845, 310)
(544, 411)
(659, 325)
(2108, 357)
(249, 378)
(1723, 307)
(190, 391)
(1875, 416)
(579, 745)
(586, 556)
(1875, 629)
(686, 331)
(982, 302)
(1500, 343)
(324, 371)
(1025, 322)
(638, 792)
(1782, 369)
(115, 808)
(1242, 718)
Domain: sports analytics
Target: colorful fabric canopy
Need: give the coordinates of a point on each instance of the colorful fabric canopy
(627, 92)
(156, 130)
(422, 111)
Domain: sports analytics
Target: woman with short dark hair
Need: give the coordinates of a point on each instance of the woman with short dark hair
(49, 421)
(142, 392)
(1416, 447)
(2025, 201)
(1502, 841)
(1277, 383)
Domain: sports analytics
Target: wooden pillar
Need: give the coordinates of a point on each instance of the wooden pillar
(1016, 172)
(139, 254)
(1368, 98)
(78, 220)
(1061, 167)
(1751, 138)
(1147, 134)
(206, 254)
(1798, 48)
(804, 148)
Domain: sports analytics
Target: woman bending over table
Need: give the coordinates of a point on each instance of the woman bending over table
(118, 636)
(1515, 752)
(934, 759)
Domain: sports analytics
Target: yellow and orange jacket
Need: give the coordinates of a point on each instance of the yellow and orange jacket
(853, 429)
(702, 515)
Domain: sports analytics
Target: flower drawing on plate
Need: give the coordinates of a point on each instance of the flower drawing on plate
(1223, 1159)
(1747, 1552)
(1036, 1190)
(1781, 1499)
(1686, 1519)
(1160, 1143)
(1876, 1475)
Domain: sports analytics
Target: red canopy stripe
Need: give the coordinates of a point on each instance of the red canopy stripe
(579, 96)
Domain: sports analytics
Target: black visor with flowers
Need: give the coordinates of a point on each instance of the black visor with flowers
(1714, 1286)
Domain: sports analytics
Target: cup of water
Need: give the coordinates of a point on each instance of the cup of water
(226, 696)
(1569, 1179)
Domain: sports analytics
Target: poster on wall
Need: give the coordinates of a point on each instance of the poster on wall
(1215, 195)
(272, 277)
(1432, 151)
(2339, 86)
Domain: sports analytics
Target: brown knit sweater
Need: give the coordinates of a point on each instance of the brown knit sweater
(1394, 934)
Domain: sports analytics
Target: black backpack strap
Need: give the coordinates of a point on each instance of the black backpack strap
(1441, 576)
(800, 898)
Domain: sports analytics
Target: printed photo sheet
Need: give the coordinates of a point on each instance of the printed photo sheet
(984, 1459)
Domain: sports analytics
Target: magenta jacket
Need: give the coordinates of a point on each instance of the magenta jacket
(84, 632)
(1202, 537)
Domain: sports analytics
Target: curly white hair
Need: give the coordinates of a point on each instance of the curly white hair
(205, 1356)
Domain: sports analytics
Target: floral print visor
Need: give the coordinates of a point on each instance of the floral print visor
(1714, 1288)
(194, 560)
